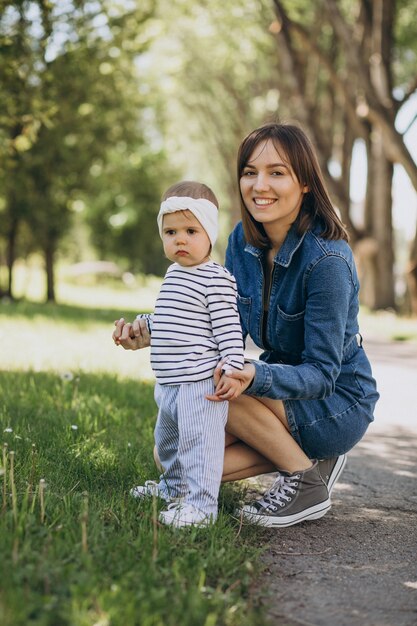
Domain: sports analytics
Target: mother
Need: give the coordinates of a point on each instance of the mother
(310, 397)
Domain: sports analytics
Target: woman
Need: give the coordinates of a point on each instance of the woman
(311, 396)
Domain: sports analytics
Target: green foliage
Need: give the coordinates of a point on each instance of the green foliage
(214, 65)
(405, 45)
(123, 203)
(76, 548)
(72, 105)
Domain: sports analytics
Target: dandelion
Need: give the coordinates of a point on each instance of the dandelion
(129, 445)
(67, 376)
(32, 471)
(13, 486)
(4, 476)
(8, 430)
(74, 427)
(84, 522)
(42, 485)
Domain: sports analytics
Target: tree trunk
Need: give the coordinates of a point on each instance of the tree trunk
(380, 175)
(49, 268)
(374, 253)
(11, 255)
(412, 277)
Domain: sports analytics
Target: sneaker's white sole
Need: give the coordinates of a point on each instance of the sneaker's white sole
(337, 470)
(181, 523)
(314, 512)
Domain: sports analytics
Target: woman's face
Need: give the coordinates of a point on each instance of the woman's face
(270, 190)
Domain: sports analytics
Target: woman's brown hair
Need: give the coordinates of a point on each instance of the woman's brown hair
(299, 152)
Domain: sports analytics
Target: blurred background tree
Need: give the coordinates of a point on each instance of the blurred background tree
(348, 74)
(105, 103)
(74, 132)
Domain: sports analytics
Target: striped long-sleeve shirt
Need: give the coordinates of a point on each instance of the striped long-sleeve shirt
(195, 324)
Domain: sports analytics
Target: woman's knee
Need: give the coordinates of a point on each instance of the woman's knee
(249, 407)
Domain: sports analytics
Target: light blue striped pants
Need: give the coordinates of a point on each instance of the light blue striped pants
(189, 437)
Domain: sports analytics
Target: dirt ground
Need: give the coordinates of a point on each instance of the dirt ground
(357, 566)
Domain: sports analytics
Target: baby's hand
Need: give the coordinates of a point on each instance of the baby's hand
(227, 388)
(122, 331)
(131, 336)
(230, 382)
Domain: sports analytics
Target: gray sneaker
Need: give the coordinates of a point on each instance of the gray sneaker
(331, 469)
(152, 489)
(293, 498)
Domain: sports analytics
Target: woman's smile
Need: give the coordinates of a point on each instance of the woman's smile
(264, 201)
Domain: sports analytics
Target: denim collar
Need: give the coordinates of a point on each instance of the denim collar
(284, 255)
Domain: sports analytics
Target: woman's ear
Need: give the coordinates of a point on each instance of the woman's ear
(306, 189)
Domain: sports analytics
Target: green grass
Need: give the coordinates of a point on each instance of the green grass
(78, 413)
(80, 551)
(61, 338)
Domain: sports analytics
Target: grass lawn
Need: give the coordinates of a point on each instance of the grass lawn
(76, 420)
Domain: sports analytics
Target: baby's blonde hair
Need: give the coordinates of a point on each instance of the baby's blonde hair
(191, 189)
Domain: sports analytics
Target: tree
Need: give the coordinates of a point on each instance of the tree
(84, 66)
(212, 61)
(341, 73)
(22, 111)
(123, 205)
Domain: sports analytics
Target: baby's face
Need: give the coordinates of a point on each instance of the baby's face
(184, 239)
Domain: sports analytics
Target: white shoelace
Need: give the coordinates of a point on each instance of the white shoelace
(181, 507)
(152, 486)
(278, 494)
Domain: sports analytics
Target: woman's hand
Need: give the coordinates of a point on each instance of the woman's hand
(131, 336)
(231, 383)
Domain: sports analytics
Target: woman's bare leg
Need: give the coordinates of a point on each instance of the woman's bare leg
(241, 461)
(258, 440)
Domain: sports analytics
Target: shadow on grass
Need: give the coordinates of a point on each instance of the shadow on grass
(63, 312)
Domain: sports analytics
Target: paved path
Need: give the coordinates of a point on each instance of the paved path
(357, 566)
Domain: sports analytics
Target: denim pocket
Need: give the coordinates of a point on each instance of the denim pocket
(289, 331)
(362, 373)
(244, 308)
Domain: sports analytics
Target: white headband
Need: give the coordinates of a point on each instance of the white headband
(204, 210)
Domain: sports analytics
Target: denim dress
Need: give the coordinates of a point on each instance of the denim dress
(313, 359)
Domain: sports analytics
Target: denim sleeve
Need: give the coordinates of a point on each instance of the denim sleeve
(330, 290)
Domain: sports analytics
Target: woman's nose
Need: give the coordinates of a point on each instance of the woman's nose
(261, 182)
